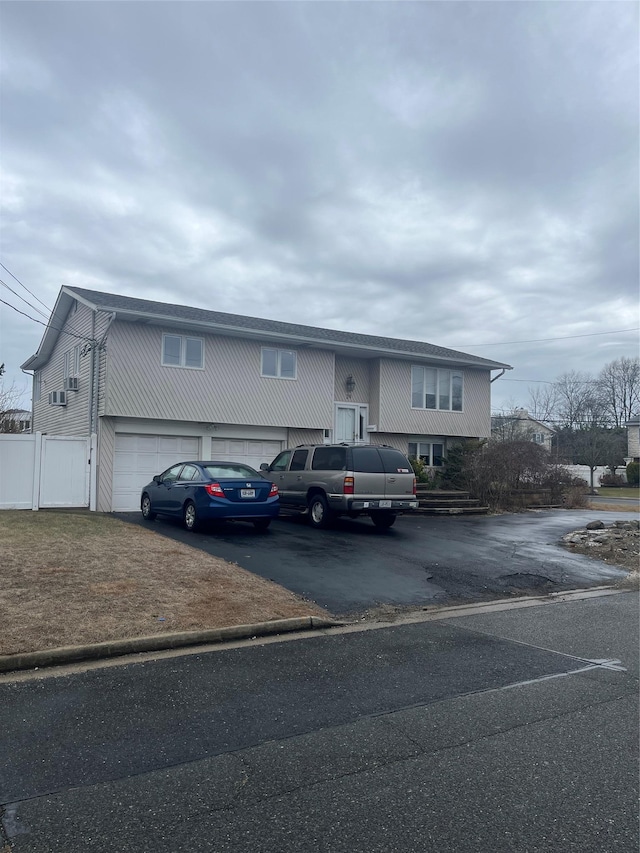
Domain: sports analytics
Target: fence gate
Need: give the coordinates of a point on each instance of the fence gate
(44, 471)
(64, 471)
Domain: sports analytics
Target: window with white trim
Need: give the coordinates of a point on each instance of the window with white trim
(72, 362)
(182, 351)
(430, 452)
(433, 388)
(279, 363)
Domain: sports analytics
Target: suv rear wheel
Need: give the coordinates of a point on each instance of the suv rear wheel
(383, 520)
(319, 513)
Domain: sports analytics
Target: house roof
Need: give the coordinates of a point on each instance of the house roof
(145, 311)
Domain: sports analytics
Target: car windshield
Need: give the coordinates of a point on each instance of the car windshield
(232, 471)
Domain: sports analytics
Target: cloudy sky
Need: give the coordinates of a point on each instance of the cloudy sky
(460, 173)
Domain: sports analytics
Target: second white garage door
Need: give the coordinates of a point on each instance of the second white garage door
(251, 452)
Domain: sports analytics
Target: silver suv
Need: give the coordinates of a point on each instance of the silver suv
(326, 480)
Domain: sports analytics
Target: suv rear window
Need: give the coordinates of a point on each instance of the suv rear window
(366, 460)
(329, 459)
(395, 462)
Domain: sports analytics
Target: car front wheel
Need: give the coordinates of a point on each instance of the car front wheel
(145, 507)
(190, 516)
(319, 513)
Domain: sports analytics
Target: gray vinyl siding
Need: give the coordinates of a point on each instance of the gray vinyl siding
(304, 436)
(102, 327)
(230, 389)
(358, 368)
(397, 416)
(633, 441)
(400, 442)
(106, 450)
(72, 419)
(374, 391)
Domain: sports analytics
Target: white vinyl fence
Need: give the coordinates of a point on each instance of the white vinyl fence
(45, 471)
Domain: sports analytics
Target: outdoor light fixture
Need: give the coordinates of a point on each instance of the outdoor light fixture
(350, 384)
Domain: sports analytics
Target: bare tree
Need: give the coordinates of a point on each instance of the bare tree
(619, 386)
(578, 400)
(9, 399)
(512, 425)
(543, 403)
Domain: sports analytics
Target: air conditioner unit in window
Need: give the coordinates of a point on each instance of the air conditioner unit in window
(58, 398)
(71, 383)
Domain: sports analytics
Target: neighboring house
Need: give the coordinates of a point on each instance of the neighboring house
(15, 420)
(520, 425)
(633, 440)
(159, 383)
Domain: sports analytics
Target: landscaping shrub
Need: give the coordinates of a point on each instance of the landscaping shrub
(633, 473)
(611, 480)
(423, 474)
(502, 475)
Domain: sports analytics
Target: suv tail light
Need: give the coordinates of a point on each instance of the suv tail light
(348, 486)
(214, 490)
(273, 491)
(415, 491)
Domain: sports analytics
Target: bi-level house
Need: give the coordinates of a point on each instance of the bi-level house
(158, 383)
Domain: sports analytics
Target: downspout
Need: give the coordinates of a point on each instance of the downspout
(98, 347)
(502, 373)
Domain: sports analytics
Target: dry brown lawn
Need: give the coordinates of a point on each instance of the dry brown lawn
(69, 578)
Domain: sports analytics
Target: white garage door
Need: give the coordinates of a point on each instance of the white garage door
(139, 457)
(250, 451)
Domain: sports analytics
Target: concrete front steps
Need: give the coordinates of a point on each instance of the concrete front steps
(446, 502)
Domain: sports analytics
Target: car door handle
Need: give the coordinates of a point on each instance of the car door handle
(391, 479)
(299, 477)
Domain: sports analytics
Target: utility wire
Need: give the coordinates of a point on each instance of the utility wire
(26, 301)
(48, 325)
(563, 338)
(26, 288)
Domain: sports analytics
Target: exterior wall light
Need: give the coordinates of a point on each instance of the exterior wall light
(350, 384)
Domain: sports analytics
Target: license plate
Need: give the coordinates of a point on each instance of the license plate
(384, 504)
(247, 493)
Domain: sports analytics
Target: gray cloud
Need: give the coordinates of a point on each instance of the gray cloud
(464, 173)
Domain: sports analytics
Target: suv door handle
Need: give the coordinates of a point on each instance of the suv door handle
(391, 479)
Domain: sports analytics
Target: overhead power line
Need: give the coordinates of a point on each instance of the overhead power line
(26, 288)
(47, 325)
(562, 338)
(26, 301)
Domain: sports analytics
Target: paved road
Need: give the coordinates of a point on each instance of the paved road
(422, 560)
(512, 731)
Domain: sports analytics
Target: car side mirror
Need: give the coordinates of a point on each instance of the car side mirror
(157, 479)
(264, 466)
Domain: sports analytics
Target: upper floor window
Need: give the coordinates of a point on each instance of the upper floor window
(281, 363)
(182, 351)
(432, 388)
(72, 362)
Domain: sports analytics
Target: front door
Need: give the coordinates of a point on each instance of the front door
(351, 423)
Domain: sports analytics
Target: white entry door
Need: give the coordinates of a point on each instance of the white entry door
(351, 423)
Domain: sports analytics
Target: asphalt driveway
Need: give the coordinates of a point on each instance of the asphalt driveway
(423, 560)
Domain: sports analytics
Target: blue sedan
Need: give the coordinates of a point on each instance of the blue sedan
(208, 491)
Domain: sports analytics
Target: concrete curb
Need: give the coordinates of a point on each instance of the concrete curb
(158, 642)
